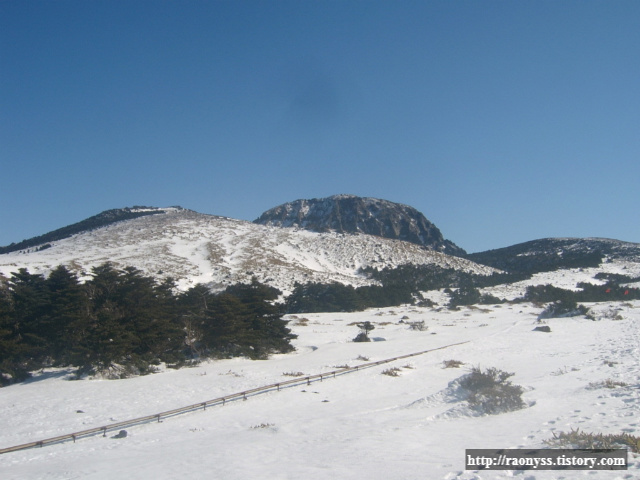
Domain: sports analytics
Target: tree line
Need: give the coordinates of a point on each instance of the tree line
(404, 283)
(121, 322)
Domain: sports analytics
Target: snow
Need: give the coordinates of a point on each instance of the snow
(217, 251)
(358, 425)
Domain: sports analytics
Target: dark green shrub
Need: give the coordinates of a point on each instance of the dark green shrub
(365, 328)
(490, 392)
(563, 308)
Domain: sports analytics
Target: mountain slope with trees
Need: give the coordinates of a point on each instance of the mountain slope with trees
(550, 254)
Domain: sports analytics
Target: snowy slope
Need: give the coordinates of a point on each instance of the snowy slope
(218, 251)
(360, 425)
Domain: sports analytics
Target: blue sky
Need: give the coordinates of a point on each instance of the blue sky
(501, 121)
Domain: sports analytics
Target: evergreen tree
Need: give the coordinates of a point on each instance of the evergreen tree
(466, 294)
(31, 316)
(108, 340)
(12, 349)
(124, 321)
(192, 307)
(269, 331)
(226, 330)
(68, 307)
(147, 314)
(243, 320)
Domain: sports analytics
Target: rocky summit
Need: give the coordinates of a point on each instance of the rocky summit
(353, 214)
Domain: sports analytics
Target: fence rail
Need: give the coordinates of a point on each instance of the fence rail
(157, 417)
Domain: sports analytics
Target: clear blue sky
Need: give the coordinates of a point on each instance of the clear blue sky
(501, 121)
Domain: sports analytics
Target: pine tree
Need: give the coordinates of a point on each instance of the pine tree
(31, 316)
(108, 341)
(12, 348)
(68, 308)
(269, 332)
(192, 307)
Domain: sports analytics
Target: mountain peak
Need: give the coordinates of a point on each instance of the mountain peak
(346, 213)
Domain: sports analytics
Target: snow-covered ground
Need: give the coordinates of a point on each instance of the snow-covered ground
(362, 425)
(216, 251)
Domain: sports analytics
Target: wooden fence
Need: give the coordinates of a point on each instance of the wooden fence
(157, 417)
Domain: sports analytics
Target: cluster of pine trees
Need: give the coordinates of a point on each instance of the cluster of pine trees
(588, 292)
(404, 283)
(336, 297)
(123, 321)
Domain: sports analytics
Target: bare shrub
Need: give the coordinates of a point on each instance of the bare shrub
(418, 325)
(452, 364)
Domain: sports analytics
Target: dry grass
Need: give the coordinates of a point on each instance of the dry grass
(608, 383)
(263, 425)
(418, 325)
(584, 440)
(452, 364)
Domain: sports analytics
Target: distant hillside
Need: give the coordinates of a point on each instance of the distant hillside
(194, 248)
(101, 220)
(353, 214)
(550, 254)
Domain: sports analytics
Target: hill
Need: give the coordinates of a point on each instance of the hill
(103, 219)
(217, 251)
(549, 254)
(352, 214)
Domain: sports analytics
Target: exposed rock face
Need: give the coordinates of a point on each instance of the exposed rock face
(352, 214)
